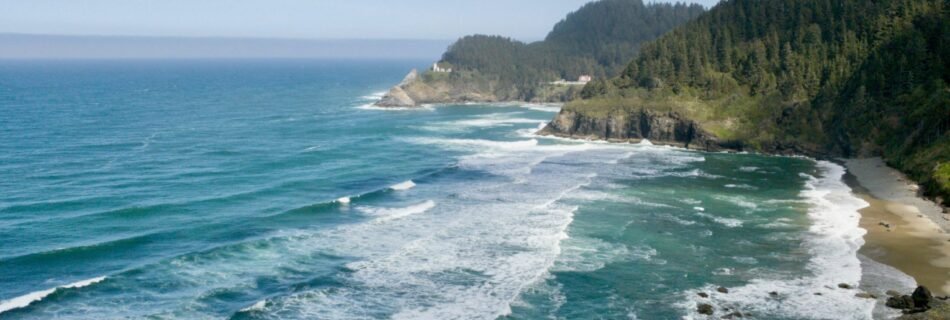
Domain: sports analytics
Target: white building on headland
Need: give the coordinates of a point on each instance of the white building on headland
(582, 80)
(437, 68)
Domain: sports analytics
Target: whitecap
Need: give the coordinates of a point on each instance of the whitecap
(258, 306)
(729, 222)
(389, 214)
(740, 186)
(374, 107)
(543, 107)
(402, 186)
(835, 237)
(343, 200)
(29, 298)
(375, 96)
(738, 201)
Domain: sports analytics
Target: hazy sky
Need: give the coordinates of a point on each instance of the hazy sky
(334, 19)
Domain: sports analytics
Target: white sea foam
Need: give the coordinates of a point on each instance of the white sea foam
(343, 200)
(729, 222)
(835, 237)
(375, 96)
(258, 306)
(402, 186)
(491, 122)
(738, 201)
(474, 253)
(740, 186)
(374, 107)
(389, 214)
(543, 107)
(29, 298)
(748, 169)
(583, 254)
(477, 144)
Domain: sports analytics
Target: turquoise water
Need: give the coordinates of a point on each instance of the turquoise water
(271, 190)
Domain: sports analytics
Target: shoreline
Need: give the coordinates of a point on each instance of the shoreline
(904, 230)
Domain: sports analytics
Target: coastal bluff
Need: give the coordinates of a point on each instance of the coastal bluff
(669, 128)
(418, 89)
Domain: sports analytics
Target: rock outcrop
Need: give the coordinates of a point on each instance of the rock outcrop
(415, 91)
(920, 305)
(658, 127)
(397, 97)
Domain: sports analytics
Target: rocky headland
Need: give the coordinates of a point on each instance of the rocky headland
(415, 91)
(668, 128)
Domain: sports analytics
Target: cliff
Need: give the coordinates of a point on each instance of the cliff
(843, 78)
(466, 86)
(668, 128)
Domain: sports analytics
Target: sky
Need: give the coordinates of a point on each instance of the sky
(526, 20)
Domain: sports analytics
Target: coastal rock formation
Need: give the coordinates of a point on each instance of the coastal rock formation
(418, 89)
(658, 127)
(397, 97)
(921, 304)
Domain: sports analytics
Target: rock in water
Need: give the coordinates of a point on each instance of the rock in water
(722, 290)
(705, 308)
(844, 286)
(922, 297)
(903, 302)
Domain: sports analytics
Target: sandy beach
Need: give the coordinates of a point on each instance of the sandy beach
(905, 231)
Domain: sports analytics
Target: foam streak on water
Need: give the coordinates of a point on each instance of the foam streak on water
(833, 244)
(271, 190)
(27, 299)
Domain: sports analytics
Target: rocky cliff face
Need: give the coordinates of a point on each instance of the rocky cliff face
(413, 91)
(659, 127)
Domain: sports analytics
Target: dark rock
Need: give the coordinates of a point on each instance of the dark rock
(705, 308)
(893, 293)
(660, 127)
(865, 295)
(922, 297)
(703, 295)
(903, 302)
(722, 290)
(817, 293)
(774, 294)
(844, 286)
(733, 315)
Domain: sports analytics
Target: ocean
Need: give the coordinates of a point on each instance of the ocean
(272, 189)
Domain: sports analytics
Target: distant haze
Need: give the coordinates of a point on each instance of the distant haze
(15, 46)
(243, 28)
(313, 19)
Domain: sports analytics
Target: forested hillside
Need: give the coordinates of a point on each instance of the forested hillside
(599, 39)
(833, 77)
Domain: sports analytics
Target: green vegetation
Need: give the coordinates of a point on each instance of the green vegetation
(598, 40)
(838, 77)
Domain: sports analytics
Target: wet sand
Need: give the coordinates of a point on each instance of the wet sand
(904, 230)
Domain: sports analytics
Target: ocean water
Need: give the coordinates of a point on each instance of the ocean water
(273, 190)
